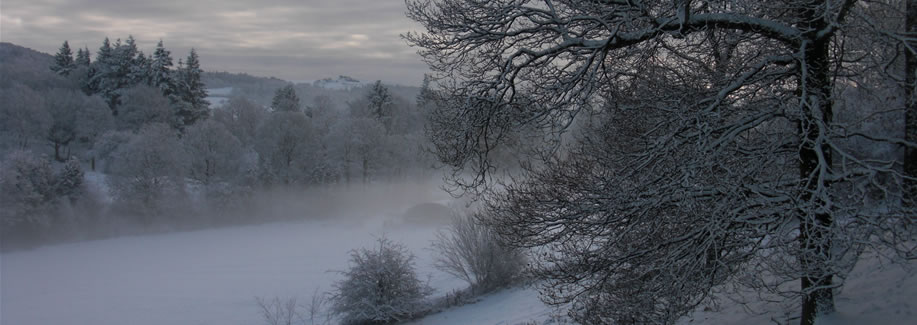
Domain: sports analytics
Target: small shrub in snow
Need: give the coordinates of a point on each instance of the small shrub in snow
(380, 287)
(279, 312)
(288, 311)
(472, 252)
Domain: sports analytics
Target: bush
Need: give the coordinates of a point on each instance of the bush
(472, 252)
(380, 287)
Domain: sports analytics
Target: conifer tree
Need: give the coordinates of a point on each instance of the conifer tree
(191, 92)
(140, 69)
(102, 72)
(63, 60)
(161, 75)
(82, 58)
(381, 104)
(285, 100)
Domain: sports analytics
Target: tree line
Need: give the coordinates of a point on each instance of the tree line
(141, 132)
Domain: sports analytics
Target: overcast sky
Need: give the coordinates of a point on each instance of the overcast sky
(288, 39)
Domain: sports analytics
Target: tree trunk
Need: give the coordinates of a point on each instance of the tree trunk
(910, 114)
(57, 151)
(365, 171)
(814, 159)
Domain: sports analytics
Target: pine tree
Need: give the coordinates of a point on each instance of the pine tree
(63, 60)
(161, 75)
(380, 104)
(82, 58)
(126, 62)
(102, 75)
(285, 100)
(191, 92)
(140, 69)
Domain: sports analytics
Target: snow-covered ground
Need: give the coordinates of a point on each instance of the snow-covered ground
(199, 277)
(213, 277)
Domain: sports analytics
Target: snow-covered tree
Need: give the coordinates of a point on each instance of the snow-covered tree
(286, 143)
(26, 190)
(144, 105)
(140, 70)
(710, 149)
(147, 172)
(63, 60)
(103, 76)
(380, 287)
(82, 58)
(68, 183)
(215, 153)
(161, 75)
(192, 105)
(286, 100)
(380, 104)
(24, 117)
(63, 106)
(242, 118)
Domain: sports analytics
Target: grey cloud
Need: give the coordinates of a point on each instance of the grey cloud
(290, 39)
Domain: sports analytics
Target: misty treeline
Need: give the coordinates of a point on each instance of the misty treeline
(695, 151)
(139, 129)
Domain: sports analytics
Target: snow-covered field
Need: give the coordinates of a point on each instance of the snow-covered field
(200, 277)
(213, 277)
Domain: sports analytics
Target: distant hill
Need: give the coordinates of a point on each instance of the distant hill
(14, 54)
(27, 66)
(260, 90)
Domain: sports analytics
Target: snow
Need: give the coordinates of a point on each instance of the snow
(199, 277)
(513, 306)
(218, 96)
(213, 276)
(221, 92)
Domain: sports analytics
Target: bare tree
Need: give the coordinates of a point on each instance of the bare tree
(471, 251)
(711, 143)
(279, 312)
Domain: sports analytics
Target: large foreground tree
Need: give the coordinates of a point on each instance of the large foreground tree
(748, 143)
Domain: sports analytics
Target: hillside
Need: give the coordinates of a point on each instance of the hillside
(27, 66)
(260, 90)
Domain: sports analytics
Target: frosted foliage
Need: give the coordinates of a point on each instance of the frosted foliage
(215, 154)
(143, 105)
(26, 188)
(24, 118)
(285, 144)
(149, 169)
(286, 100)
(381, 286)
(242, 118)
